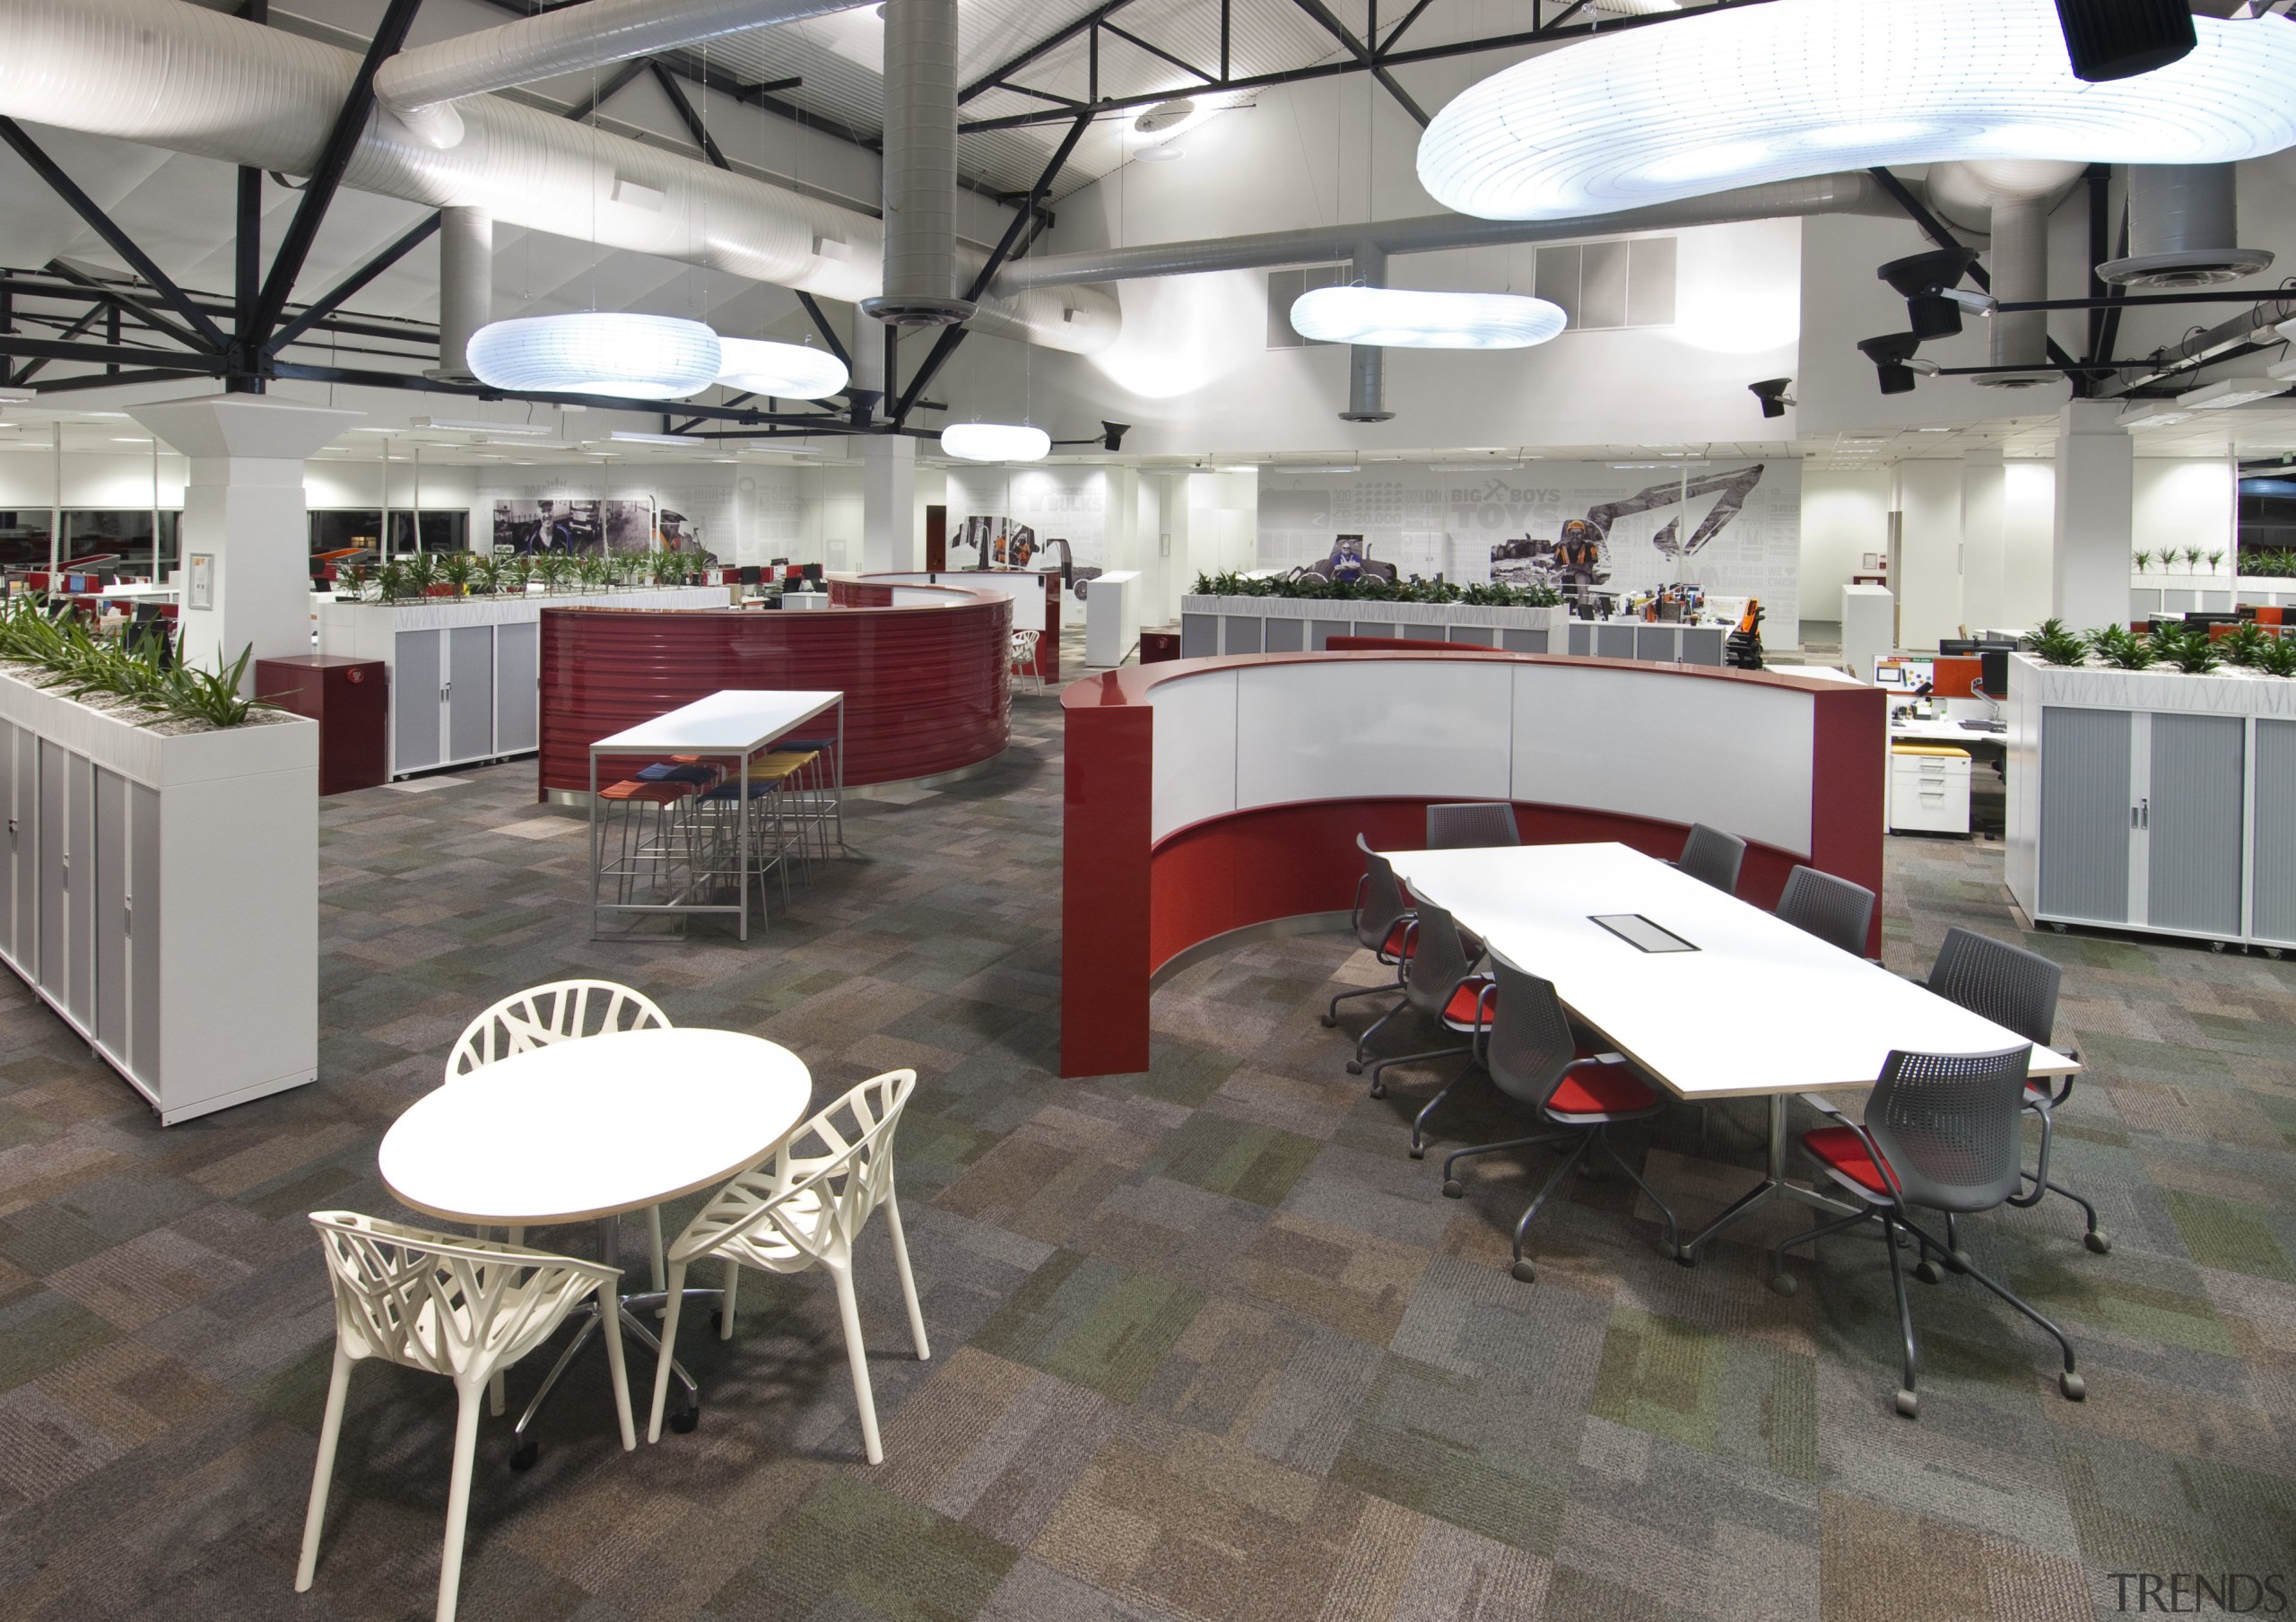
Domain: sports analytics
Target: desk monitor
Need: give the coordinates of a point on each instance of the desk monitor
(1995, 678)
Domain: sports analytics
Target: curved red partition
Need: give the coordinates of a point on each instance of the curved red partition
(926, 685)
(1161, 853)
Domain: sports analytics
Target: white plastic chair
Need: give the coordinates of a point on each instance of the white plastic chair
(566, 1010)
(802, 1207)
(451, 1307)
(1024, 656)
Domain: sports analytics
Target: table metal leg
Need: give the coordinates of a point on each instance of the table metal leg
(595, 854)
(1773, 1185)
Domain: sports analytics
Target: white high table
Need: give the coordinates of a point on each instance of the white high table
(1761, 1009)
(732, 723)
(589, 1130)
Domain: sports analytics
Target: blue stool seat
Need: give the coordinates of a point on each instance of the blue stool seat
(732, 789)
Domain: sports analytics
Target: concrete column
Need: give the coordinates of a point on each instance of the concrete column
(465, 284)
(2089, 543)
(1984, 549)
(889, 537)
(243, 513)
(1929, 579)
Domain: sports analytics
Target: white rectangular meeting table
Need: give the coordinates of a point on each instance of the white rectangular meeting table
(1759, 1009)
(734, 723)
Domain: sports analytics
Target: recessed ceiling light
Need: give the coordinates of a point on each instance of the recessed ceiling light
(1164, 115)
(1169, 153)
(2230, 392)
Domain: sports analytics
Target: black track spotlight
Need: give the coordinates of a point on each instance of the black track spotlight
(1112, 434)
(1890, 355)
(2121, 39)
(1921, 280)
(1771, 393)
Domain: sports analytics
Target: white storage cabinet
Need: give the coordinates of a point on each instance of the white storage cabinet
(160, 892)
(1929, 789)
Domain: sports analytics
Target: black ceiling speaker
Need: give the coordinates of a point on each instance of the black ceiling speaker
(1921, 278)
(1890, 355)
(1771, 393)
(1112, 434)
(2121, 39)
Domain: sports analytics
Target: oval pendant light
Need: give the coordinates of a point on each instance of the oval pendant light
(638, 357)
(1406, 317)
(1756, 93)
(787, 371)
(995, 441)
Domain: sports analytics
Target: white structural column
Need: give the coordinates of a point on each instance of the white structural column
(888, 504)
(247, 534)
(1984, 541)
(2095, 491)
(1929, 582)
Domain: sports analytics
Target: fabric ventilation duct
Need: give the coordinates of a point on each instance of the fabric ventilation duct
(2182, 222)
(920, 167)
(1367, 363)
(190, 80)
(2010, 201)
(465, 285)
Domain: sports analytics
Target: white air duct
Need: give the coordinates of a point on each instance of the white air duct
(465, 284)
(419, 84)
(920, 166)
(182, 77)
(2010, 200)
(1367, 363)
(2183, 219)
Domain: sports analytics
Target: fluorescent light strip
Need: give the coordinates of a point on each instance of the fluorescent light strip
(681, 442)
(2230, 392)
(1751, 95)
(472, 425)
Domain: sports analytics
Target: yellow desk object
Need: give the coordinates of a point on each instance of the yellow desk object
(1929, 788)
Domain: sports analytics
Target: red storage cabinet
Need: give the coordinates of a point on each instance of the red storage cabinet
(350, 700)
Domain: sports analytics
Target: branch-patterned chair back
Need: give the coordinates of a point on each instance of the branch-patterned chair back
(540, 1015)
(457, 1307)
(808, 1201)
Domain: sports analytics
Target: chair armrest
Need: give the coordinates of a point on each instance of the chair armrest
(1826, 1106)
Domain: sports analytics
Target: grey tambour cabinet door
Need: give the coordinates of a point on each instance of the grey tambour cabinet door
(2194, 854)
(470, 693)
(80, 888)
(418, 671)
(143, 910)
(112, 863)
(49, 862)
(2272, 907)
(517, 700)
(8, 839)
(2085, 814)
(23, 841)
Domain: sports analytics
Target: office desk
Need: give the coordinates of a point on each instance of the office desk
(1761, 1009)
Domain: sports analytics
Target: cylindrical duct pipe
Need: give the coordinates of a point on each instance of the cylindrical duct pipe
(920, 167)
(2020, 272)
(465, 284)
(2183, 219)
(1367, 363)
(416, 85)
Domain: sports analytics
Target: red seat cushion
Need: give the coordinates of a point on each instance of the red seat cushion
(1461, 1009)
(1393, 944)
(1600, 1089)
(1844, 1149)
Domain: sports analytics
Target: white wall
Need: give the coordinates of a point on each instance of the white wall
(2028, 531)
(1928, 581)
(1845, 519)
(2181, 503)
(28, 479)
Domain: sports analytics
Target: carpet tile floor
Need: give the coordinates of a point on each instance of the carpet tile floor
(1208, 1346)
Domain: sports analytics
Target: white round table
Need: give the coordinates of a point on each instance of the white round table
(595, 1127)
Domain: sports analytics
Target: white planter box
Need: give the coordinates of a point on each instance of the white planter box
(160, 892)
(489, 646)
(1288, 624)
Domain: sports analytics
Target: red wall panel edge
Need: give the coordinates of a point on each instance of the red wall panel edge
(1849, 765)
(1104, 889)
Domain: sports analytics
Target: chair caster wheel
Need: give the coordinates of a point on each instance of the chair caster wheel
(523, 1456)
(1524, 1272)
(1452, 1189)
(1962, 1262)
(1418, 1152)
(1910, 1405)
(2097, 1242)
(2075, 1388)
(686, 1419)
(1378, 1089)
(1680, 1254)
(1929, 1272)
(1354, 1066)
(1329, 1022)
(1784, 1284)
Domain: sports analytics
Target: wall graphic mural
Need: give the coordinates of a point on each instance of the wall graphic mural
(576, 526)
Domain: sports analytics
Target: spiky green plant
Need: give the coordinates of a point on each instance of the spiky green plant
(2244, 646)
(2186, 644)
(2054, 644)
(391, 582)
(421, 573)
(2279, 656)
(213, 696)
(2142, 559)
(2192, 558)
(458, 569)
(2215, 559)
(551, 569)
(2122, 649)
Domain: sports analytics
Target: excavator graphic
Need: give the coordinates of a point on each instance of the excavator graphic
(1579, 556)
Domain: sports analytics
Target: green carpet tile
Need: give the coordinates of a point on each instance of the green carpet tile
(1207, 1344)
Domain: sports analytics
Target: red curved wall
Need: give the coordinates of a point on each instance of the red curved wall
(926, 690)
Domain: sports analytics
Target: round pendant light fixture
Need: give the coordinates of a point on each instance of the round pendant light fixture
(995, 441)
(787, 371)
(1406, 317)
(638, 357)
(1751, 95)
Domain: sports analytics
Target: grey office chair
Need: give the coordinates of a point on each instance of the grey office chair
(1439, 981)
(1470, 825)
(1526, 1043)
(1381, 921)
(2016, 989)
(1941, 1132)
(1833, 908)
(1713, 855)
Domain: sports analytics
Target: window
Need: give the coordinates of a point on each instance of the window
(342, 529)
(125, 533)
(1610, 284)
(1283, 290)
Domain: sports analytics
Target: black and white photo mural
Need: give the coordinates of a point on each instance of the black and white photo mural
(1733, 527)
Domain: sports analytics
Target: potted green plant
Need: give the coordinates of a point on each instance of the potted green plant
(2184, 643)
(2192, 559)
(2244, 646)
(2215, 559)
(2278, 656)
(2122, 649)
(457, 569)
(2143, 559)
(2054, 644)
